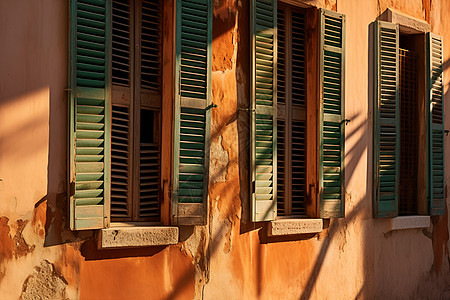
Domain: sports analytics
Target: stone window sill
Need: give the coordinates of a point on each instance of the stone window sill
(131, 236)
(409, 222)
(284, 227)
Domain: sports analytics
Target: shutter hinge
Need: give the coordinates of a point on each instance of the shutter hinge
(179, 82)
(67, 90)
(246, 109)
(72, 189)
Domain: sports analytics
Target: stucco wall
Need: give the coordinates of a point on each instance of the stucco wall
(228, 258)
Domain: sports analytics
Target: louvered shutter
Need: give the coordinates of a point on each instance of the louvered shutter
(192, 111)
(291, 111)
(263, 119)
(435, 109)
(386, 120)
(331, 116)
(89, 114)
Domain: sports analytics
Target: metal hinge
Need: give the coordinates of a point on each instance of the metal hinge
(247, 109)
(72, 189)
(179, 82)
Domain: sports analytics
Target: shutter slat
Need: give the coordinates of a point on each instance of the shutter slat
(435, 109)
(191, 155)
(298, 168)
(120, 160)
(263, 118)
(386, 121)
(89, 114)
(291, 90)
(332, 127)
(149, 205)
(151, 45)
(121, 42)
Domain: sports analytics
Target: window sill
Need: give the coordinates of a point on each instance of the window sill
(294, 226)
(409, 222)
(137, 236)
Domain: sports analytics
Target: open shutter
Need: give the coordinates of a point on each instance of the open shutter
(192, 111)
(89, 114)
(386, 126)
(263, 118)
(331, 117)
(435, 109)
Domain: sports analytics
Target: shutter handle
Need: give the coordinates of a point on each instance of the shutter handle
(210, 106)
(347, 121)
(446, 132)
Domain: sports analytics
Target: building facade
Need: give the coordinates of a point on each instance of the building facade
(199, 149)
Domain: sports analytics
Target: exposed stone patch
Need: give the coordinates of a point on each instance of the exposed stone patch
(219, 162)
(197, 247)
(44, 283)
(228, 244)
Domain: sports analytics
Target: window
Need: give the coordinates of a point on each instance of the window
(136, 110)
(139, 134)
(291, 116)
(297, 121)
(408, 118)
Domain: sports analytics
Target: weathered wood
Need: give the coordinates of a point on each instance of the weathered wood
(312, 104)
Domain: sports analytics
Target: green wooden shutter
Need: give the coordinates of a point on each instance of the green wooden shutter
(192, 111)
(386, 118)
(263, 119)
(331, 116)
(89, 114)
(435, 110)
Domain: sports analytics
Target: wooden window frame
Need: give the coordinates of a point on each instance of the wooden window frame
(421, 200)
(160, 102)
(310, 112)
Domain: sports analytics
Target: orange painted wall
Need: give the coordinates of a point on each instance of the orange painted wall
(229, 257)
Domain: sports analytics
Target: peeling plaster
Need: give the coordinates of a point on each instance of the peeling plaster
(44, 283)
(219, 162)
